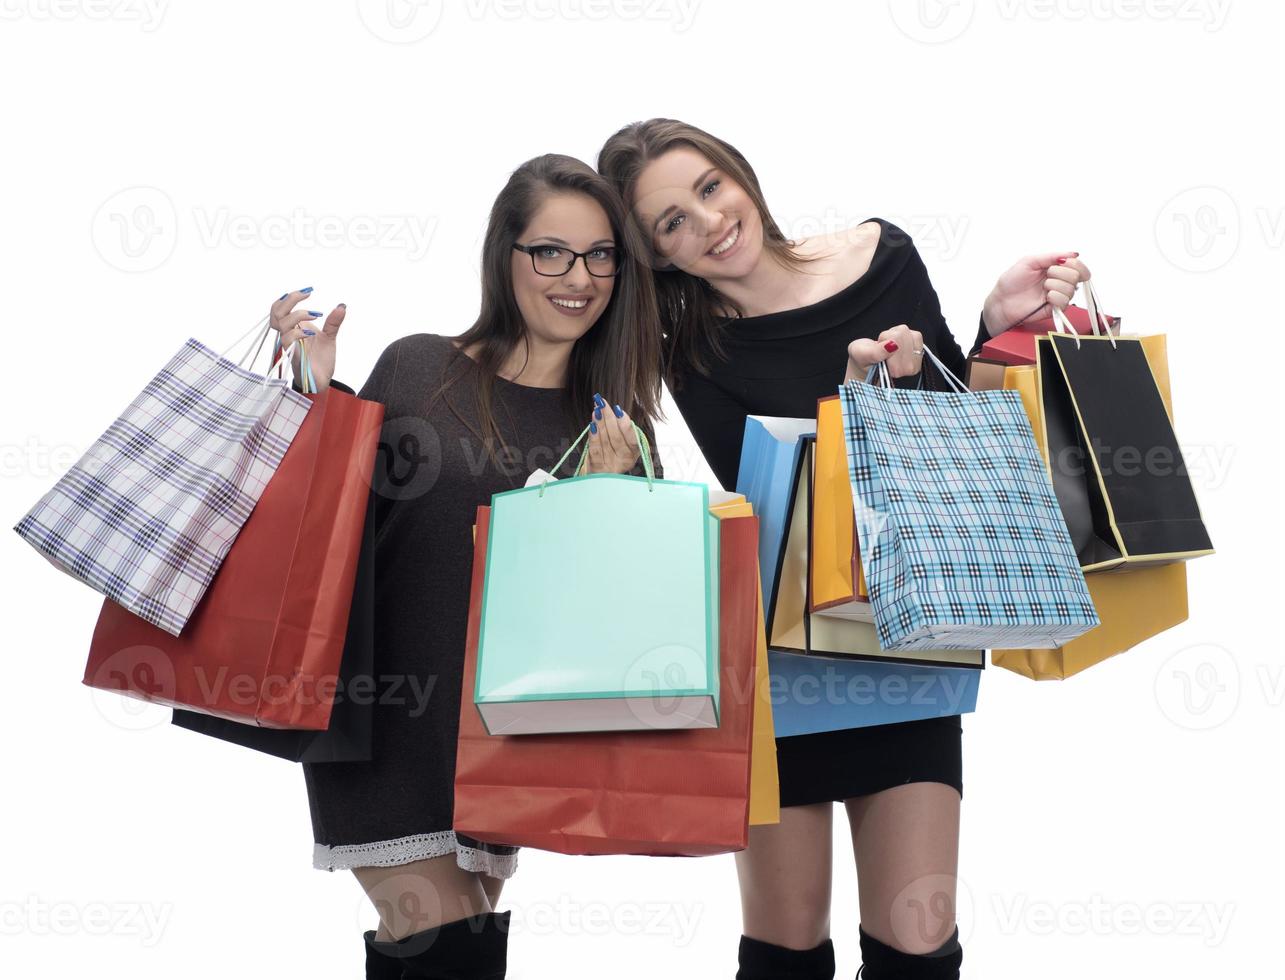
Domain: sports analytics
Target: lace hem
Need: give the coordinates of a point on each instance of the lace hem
(486, 862)
(404, 850)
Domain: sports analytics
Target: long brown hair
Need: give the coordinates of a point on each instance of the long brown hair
(693, 313)
(619, 356)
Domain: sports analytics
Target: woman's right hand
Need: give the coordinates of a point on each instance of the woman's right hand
(294, 324)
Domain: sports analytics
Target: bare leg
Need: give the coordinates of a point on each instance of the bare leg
(906, 843)
(785, 878)
(492, 887)
(417, 896)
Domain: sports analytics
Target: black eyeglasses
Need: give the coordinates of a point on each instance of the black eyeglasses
(554, 260)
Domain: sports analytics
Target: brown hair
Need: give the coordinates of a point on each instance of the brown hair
(693, 314)
(619, 356)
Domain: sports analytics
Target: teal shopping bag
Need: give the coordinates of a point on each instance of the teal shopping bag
(600, 606)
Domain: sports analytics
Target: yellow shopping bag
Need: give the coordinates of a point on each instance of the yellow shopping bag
(765, 786)
(1133, 604)
(838, 582)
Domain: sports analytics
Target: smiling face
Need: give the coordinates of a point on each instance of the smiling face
(562, 308)
(697, 217)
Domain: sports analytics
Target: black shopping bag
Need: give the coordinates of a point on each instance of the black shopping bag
(1117, 469)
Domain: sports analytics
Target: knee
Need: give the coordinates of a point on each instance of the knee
(801, 923)
(880, 961)
(800, 929)
(919, 935)
(920, 918)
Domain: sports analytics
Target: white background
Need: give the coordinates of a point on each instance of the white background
(1126, 822)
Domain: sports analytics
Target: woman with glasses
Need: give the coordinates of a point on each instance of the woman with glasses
(565, 335)
(757, 324)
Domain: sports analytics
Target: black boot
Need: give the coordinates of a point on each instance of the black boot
(379, 966)
(881, 962)
(467, 949)
(765, 961)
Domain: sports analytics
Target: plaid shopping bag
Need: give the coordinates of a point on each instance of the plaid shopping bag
(148, 513)
(962, 539)
(265, 643)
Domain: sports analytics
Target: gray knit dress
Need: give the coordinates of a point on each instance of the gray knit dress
(431, 473)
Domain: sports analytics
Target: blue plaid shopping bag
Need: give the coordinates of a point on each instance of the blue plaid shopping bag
(962, 539)
(148, 513)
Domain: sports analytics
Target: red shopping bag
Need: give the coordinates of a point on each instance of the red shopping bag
(1016, 345)
(264, 645)
(671, 793)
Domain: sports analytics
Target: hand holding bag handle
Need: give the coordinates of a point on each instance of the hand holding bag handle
(1096, 317)
(260, 331)
(885, 379)
(643, 446)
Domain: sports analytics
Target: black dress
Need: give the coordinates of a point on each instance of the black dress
(431, 473)
(779, 365)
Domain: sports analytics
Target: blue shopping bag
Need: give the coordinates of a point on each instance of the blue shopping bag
(962, 539)
(812, 694)
(768, 474)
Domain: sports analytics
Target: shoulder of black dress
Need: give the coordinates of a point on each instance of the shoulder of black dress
(892, 235)
(425, 346)
(427, 341)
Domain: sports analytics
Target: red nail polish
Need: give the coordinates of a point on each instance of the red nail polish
(1061, 261)
(890, 347)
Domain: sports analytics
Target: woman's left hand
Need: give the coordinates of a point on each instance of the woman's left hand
(1030, 288)
(899, 347)
(613, 447)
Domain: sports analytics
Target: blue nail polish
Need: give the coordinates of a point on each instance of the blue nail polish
(593, 427)
(315, 313)
(282, 296)
(597, 413)
(619, 412)
(307, 290)
(310, 333)
(598, 400)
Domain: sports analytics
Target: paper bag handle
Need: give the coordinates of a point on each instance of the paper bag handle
(1063, 325)
(260, 331)
(643, 445)
(886, 380)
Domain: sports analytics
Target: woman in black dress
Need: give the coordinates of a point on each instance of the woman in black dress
(757, 324)
(566, 337)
